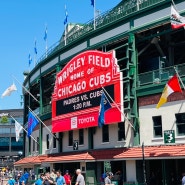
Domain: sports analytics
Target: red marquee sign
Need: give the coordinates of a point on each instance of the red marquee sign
(78, 89)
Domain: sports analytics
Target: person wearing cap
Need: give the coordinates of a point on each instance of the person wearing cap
(11, 181)
(108, 178)
(67, 177)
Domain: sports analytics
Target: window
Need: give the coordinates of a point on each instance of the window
(105, 133)
(81, 136)
(29, 141)
(121, 131)
(4, 143)
(70, 138)
(37, 143)
(33, 145)
(157, 126)
(180, 123)
(54, 141)
(6, 130)
(47, 141)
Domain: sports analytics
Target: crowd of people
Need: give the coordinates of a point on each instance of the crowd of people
(56, 178)
(8, 177)
(47, 178)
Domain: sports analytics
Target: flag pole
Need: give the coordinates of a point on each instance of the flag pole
(46, 39)
(26, 90)
(173, 4)
(179, 77)
(43, 123)
(175, 7)
(34, 60)
(25, 130)
(144, 166)
(65, 25)
(94, 14)
(137, 4)
(29, 60)
(117, 107)
(35, 51)
(65, 35)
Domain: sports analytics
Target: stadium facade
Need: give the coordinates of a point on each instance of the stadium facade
(148, 52)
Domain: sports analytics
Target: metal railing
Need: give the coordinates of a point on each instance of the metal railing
(46, 109)
(124, 9)
(158, 76)
(148, 78)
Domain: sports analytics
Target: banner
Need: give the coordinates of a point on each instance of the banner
(78, 89)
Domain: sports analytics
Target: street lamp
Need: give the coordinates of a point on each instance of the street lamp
(20, 154)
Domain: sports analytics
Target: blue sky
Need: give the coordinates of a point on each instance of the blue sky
(22, 22)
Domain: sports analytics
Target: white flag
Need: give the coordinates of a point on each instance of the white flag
(177, 21)
(9, 90)
(18, 129)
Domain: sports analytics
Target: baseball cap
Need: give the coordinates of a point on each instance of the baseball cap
(110, 174)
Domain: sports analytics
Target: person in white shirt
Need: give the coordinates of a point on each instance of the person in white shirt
(80, 178)
(108, 178)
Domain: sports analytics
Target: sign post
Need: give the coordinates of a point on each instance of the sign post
(169, 136)
(75, 145)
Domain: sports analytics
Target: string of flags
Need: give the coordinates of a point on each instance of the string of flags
(46, 34)
(177, 21)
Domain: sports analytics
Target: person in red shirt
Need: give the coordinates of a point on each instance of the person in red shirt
(67, 177)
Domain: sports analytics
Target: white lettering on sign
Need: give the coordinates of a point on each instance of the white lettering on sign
(100, 80)
(77, 75)
(71, 68)
(71, 100)
(95, 94)
(99, 61)
(86, 120)
(87, 71)
(74, 122)
(73, 88)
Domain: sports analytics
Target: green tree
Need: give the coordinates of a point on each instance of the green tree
(4, 119)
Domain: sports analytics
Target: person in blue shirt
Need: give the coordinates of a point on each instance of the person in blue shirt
(11, 181)
(60, 179)
(24, 178)
(40, 180)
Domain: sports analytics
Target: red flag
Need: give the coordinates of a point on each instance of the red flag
(177, 21)
(171, 87)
